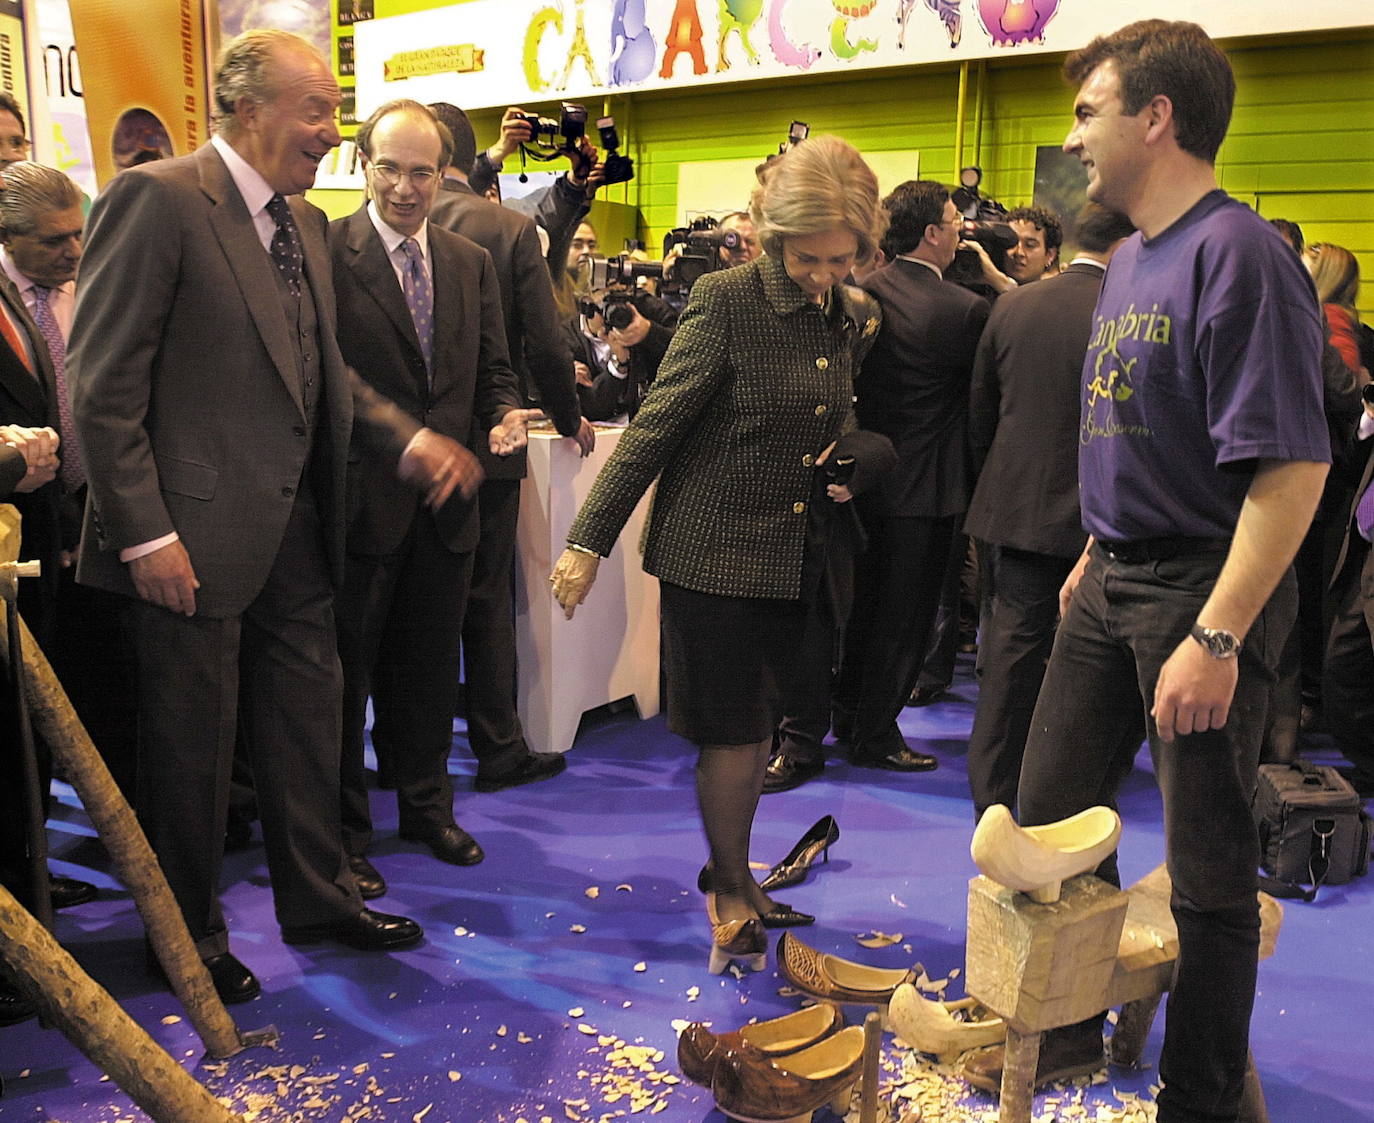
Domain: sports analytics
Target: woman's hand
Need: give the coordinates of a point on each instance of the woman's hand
(572, 579)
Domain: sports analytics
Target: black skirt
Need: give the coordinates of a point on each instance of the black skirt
(728, 662)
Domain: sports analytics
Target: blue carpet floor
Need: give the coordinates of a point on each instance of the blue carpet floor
(553, 974)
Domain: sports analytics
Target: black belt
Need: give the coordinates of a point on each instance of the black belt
(1143, 550)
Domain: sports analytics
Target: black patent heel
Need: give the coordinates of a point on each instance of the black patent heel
(824, 833)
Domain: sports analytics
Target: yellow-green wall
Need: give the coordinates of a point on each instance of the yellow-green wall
(1301, 144)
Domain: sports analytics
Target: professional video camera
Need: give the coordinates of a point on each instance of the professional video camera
(995, 237)
(698, 249)
(618, 168)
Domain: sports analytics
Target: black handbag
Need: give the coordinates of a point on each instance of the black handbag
(1312, 829)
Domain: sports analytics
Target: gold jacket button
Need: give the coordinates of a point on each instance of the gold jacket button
(820, 410)
(798, 508)
(808, 460)
(822, 363)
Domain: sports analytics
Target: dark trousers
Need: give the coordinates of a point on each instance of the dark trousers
(489, 667)
(897, 583)
(1348, 684)
(1018, 632)
(1124, 621)
(400, 622)
(806, 694)
(954, 616)
(272, 673)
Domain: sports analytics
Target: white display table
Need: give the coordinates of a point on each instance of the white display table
(609, 650)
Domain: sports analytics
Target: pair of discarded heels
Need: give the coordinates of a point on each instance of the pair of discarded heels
(829, 978)
(931, 1026)
(779, 916)
(1038, 860)
(777, 1071)
(816, 842)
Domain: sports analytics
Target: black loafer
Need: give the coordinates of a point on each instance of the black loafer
(14, 1007)
(785, 916)
(531, 769)
(370, 883)
(367, 931)
(233, 981)
(67, 892)
(450, 844)
(785, 772)
(904, 759)
(925, 695)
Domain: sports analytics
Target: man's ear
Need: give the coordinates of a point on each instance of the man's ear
(1159, 118)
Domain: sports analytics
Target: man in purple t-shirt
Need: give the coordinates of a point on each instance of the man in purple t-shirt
(1202, 455)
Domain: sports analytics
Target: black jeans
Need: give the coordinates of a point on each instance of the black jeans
(1123, 623)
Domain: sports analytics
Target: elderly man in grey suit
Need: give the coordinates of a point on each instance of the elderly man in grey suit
(215, 413)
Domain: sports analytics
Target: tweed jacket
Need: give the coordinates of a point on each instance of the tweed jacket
(755, 384)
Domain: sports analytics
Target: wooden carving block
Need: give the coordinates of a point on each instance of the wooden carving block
(1043, 965)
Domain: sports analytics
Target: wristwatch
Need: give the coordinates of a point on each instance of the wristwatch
(1217, 642)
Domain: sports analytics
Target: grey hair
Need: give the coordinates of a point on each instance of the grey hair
(245, 71)
(30, 190)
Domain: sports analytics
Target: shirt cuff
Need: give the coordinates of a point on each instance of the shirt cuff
(144, 549)
(1366, 429)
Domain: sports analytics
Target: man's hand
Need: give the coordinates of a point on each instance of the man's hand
(515, 131)
(572, 579)
(585, 438)
(1193, 692)
(582, 160)
(632, 333)
(165, 577)
(582, 373)
(38, 447)
(437, 464)
(509, 434)
(596, 180)
(1071, 581)
(992, 276)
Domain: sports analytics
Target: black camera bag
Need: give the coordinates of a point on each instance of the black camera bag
(1312, 829)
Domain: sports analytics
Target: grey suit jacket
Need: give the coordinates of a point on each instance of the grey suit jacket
(534, 329)
(183, 386)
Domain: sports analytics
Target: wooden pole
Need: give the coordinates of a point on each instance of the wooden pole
(868, 1086)
(97, 1025)
(1018, 1076)
(55, 720)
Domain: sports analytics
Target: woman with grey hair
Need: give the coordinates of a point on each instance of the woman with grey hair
(749, 415)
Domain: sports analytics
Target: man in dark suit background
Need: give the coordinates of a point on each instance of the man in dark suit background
(420, 319)
(913, 389)
(1023, 430)
(540, 357)
(214, 413)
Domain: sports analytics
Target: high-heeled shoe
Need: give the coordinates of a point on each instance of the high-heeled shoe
(699, 1050)
(735, 939)
(781, 915)
(755, 1088)
(824, 833)
(1037, 860)
(832, 979)
(930, 1026)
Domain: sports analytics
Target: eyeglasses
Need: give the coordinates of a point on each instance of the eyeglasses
(391, 175)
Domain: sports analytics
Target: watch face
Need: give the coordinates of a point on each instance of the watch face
(1219, 643)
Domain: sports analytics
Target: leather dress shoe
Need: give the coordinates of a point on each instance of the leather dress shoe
(1064, 1054)
(233, 981)
(367, 931)
(67, 891)
(787, 772)
(370, 883)
(450, 844)
(925, 695)
(531, 769)
(14, 1007)
(904, 759)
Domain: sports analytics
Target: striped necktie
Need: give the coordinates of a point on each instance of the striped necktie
(72, 472)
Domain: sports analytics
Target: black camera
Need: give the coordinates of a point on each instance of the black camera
(597, 273)
(616, 309)
(698, 246)
(549, 138)
(618, 168)
(995, 237)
